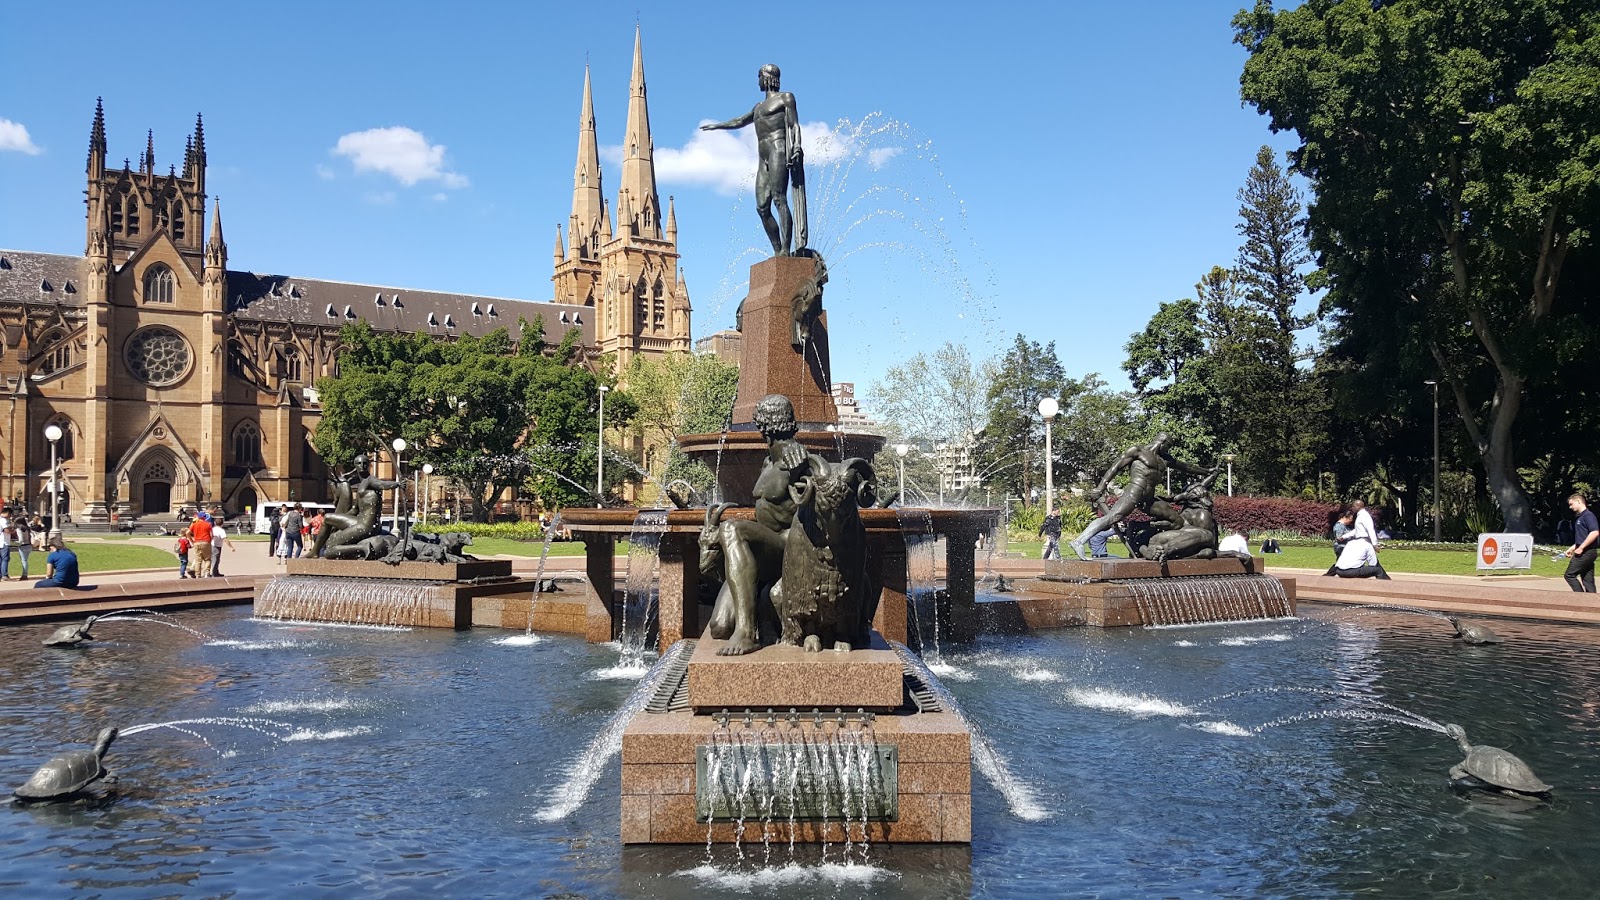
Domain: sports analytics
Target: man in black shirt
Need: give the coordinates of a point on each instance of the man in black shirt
(1585, 532)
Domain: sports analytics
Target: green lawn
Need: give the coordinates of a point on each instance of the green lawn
(1417, 562)
(493, 546)
(101, 556)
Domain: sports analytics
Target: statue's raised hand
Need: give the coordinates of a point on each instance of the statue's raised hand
(792, 457)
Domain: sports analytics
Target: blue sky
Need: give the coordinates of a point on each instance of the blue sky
(1057, 168)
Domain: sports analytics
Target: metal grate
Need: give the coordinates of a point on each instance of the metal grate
(672, 693)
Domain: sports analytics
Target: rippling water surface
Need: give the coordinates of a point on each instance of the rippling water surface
(420, 762)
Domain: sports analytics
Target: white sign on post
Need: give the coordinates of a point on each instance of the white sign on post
(1505, 551)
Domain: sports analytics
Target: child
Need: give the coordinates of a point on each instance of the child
(184, 544)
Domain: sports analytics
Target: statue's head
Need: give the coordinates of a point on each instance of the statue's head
(774, 417)
(767, 77)
(1162, 441)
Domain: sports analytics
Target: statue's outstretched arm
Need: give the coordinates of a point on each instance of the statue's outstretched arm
(735, 122)
(1181, 466)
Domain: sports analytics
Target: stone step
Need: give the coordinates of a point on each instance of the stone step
(1445, 597)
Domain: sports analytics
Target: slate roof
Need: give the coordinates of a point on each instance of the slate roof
(41, 278)
(27, 277)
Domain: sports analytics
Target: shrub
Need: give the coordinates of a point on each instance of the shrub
(515, 531)
(1310, 518)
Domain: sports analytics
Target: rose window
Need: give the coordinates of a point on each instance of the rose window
(157, 356)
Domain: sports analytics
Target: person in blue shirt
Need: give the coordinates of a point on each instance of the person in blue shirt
(62, 568)
(1585, 532)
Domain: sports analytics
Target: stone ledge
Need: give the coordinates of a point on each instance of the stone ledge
(782, 677)
(1108, 569)
(406, 571)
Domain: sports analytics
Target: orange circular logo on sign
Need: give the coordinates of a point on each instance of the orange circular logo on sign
(1491, 550)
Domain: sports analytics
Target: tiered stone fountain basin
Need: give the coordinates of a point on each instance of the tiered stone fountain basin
(414, 594)
(1109, 593)
(679, 572)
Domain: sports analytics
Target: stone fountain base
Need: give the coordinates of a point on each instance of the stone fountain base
(1110, 593)
(716, 714)
(411, 594)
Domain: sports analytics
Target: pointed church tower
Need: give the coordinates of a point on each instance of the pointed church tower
(134, 206)
(638, 156)
(639, 261)
(577, 271)
(216, 264)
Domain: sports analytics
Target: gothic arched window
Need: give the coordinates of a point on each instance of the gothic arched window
(292, 365)
(162, 214)
(641, 302)
(64, 446)
(659, 306)
(247, 445)
(130, 212)
(57, 353)
(158, 285)
(178, 216)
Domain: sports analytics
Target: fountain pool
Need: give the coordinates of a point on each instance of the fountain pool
(421, 761)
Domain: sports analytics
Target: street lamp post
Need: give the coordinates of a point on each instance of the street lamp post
(1229, 458)
(399, 446)
(1435, 385)
(427, 490)
(53, 435)
(600, 453)
(901, 450)
(1048, 407)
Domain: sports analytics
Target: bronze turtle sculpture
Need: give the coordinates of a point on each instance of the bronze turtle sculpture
(1493, 767)
(70, 772)
(71, 635)
(1474, 633)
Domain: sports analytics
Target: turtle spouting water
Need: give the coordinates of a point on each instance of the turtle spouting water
(1474, 633)
(71, 635)
(70, 772)
(1493, 767)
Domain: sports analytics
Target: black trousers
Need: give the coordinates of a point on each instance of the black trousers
(1580, 571)
(1372, 571)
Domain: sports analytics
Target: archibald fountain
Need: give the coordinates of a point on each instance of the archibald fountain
(797, 704)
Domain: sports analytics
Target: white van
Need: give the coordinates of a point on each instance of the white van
(263, 521)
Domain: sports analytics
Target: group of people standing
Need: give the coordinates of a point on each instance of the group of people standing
(1355, 544)
(21, 534)
(291, 528)
(200, 546)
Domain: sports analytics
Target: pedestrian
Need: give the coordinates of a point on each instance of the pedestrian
(61, 567)
(1363, 527)
(1098, 542)
(1237, 543)
(1585, 532)
(1050, 528)
(200, 533)
(219, 542)
(314, 526)
(275, 532)
(5, 543)
(1359, 559)
(294, 531)
(24, 541)
(1341, 532)
(185, 544)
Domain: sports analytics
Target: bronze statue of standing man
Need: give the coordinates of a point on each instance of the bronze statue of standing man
(782, 163)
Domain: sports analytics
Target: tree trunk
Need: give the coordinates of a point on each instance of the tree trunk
(1505, 485)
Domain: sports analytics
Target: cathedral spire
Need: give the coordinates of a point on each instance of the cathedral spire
(560, 254)
(215, 244)
(197, 171)
(149, 162)
(586, 188)
(672, 221)
(638, 156)
(97, 139)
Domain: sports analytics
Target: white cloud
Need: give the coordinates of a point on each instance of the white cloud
(725, 161)
(877, 158)
(440, 197)
(325, 173)
(400, 152)
(14, 136)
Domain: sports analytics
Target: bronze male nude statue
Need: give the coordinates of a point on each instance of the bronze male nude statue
(1147, 468)
(782, 162)
(751, 551)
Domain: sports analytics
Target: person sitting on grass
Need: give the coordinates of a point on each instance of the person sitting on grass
(1358, 559)
(61, 568)
(1237, 542)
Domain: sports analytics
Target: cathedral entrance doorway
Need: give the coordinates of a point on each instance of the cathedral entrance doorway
(157, 495)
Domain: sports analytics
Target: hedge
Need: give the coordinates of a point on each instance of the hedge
(515, 531)
(1253, 514)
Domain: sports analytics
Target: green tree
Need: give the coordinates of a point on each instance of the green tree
(1011, 447)
(681, 393)
(1171, 370)
(1454, 150)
